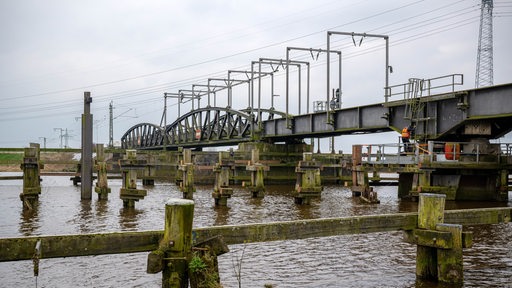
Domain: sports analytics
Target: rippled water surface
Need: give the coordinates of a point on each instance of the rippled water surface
(368, 260)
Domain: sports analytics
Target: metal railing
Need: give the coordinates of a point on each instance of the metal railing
(427, 85)
(435, 151)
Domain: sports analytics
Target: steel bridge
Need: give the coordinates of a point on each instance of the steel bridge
(450, 116)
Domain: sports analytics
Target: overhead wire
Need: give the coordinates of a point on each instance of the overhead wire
(145, 91)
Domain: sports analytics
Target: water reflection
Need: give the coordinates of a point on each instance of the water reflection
(221, 215)
(128, 218)
(85, 216)
(29, 220)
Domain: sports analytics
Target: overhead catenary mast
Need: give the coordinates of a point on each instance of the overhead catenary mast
(484, 62)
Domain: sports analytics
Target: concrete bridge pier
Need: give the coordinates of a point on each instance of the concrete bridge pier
(129, 167)
(309, 184)
(101, 169)
(257, 186)
(223, 169)
(31, 184)
(186, 170)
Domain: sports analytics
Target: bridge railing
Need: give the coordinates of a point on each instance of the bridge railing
(426, 86)
(434, 152)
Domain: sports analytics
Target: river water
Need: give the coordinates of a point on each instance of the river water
(368, 260)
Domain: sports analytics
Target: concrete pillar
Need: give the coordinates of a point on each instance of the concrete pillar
(31, 184)
(101, 171)
(86, 169)
(129, 167)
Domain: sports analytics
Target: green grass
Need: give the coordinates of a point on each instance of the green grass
(9, 158)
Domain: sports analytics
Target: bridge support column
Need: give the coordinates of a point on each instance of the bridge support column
(257, 169)
(186, 169)
(439, 245)
(129, 167)
(309, 184)
(31, 184)
(101, 169)
(222, 170)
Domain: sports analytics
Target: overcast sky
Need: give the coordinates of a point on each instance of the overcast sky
(131, 52)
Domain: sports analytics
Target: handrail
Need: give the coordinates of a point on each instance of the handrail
(428, 85)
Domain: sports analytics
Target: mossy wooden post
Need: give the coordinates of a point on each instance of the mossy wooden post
(148, 178)
(179, 176)
(257, 169)
(31, 184)
(129, 167)
(221, 191)
(449, 261)
(309, 184)
(38, 155)
(430, 213)
(175, 248)
(101, 170)
(186, 167)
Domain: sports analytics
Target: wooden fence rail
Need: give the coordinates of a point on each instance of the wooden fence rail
(23, 248)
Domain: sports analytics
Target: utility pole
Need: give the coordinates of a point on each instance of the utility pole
(111, 124)
(484, 60)
(61, 135)
(44, 141)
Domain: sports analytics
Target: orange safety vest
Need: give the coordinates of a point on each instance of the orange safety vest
(405, 133)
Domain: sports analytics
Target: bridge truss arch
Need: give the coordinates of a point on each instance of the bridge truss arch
(142, 136)
(208, 126)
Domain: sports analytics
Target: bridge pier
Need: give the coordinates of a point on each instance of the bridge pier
(129, 167)
(101, 169)
(186, 167)
(222, 169)
(31, 184)
(309, 184)
(257, 169)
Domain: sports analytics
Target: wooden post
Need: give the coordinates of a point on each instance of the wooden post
(439, 245)
(148, 178)
(31, 184)
(221, 191)
(187, 171)
(309, 184)
(257, 169)
(86, 172)
(101, 167)
(449, 261)
(174, 252)
(430, 213)
(129, 167)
